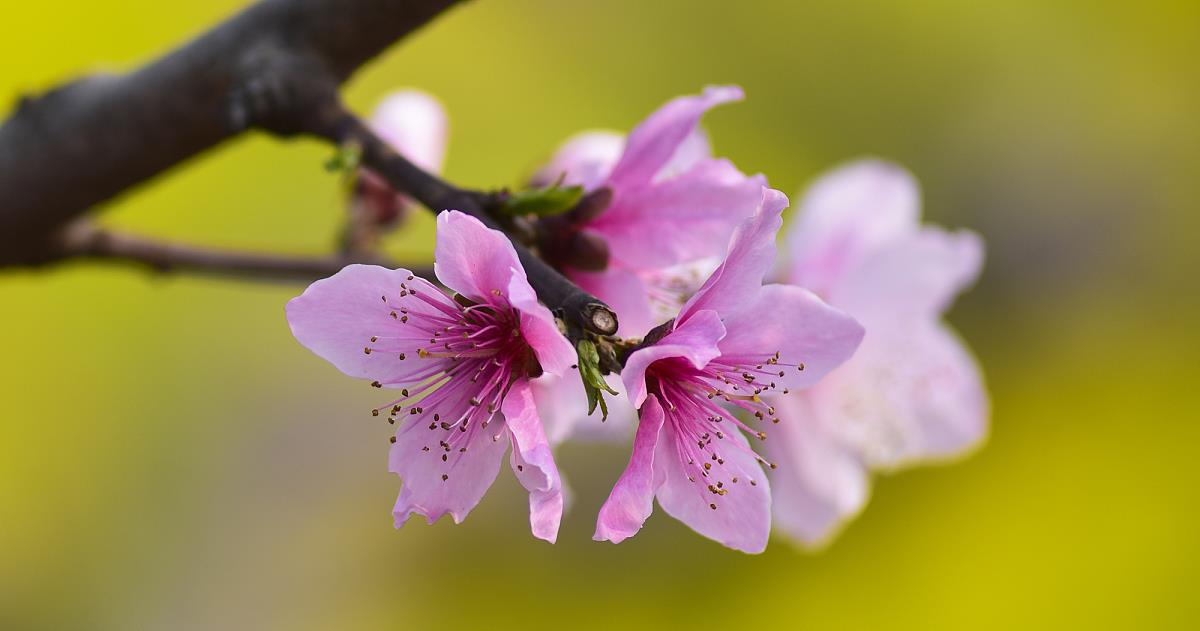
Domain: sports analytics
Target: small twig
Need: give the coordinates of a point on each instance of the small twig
(579, 308)
(85, 240)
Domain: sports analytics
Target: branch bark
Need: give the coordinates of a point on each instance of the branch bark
(277, 67)
(579, 308)
(86, 241)
(84, 143)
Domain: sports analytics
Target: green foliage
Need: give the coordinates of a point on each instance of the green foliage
(345, 162)
(346, 159)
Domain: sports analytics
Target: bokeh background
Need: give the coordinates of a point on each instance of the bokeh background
(171, 459)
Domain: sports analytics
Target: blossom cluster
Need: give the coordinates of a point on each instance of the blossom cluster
(759, 387)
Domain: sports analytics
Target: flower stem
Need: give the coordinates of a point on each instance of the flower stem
(576, 306)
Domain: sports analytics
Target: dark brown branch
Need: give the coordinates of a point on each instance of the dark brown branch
(84, 143)
(578, 308)
(276, 66)
(86, 241)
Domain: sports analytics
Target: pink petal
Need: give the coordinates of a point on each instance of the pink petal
(691, 151)
(625, 292)
(950, 402)
(416, 458)
(653, 142)
(585, 160)
(471, 258)
(532, 461)
(735, 284)
(415, 125)
(910, 394)
(562, 406)
(694, 340)
(844, 216)
(681, 219)
(670, 287)
(538, 327)
(795, 323)
(336, 318)
(632, 498)
(919, 273)
(742, 519)
(819, 482)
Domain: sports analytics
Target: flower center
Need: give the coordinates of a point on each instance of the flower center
(468, 357)
(668, 289)
(701, 405)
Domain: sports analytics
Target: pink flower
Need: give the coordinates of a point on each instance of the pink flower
(734, 341)
(415, 125)
(912, 392)
(462, 366)
(672, 204)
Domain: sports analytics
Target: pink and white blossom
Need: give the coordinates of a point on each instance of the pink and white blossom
(666, 228)
(734, 342)
(912, 392)
(673, 204)
(461, 365)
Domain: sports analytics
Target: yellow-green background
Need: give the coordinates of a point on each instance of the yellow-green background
(170, 457)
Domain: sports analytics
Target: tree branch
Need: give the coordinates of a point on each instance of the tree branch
(579, 308)
(86, 142)
(87, 241)
(276, 66)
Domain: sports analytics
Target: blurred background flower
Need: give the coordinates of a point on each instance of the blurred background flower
(170, 458)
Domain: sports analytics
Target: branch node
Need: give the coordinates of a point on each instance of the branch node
(282, 91)
(602, 319)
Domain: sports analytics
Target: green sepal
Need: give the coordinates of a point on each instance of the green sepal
(594, 384)
(544, 201)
